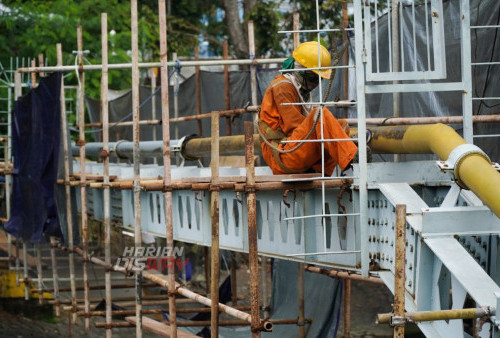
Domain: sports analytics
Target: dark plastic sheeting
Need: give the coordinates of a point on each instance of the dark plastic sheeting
(35, 146)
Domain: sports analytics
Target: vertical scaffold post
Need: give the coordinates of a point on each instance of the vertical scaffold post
(153, 74)
(105, 159)
(167, 194)
(227, 96)
(347, 308)
(39, 271)
(399, 268)
(301, 323)
(198, 89)
(345, 58)
(25, 271)
(41, 64)
(67, 192)
(137, 162)
(33, 74)
(83, 177)
(214, 212)
(18, 92)
(253, 73)
(252, 230)
(361, 104)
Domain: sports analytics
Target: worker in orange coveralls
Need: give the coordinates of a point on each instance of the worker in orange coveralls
(278, 122)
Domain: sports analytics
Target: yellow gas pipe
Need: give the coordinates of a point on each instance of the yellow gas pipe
(473, 171)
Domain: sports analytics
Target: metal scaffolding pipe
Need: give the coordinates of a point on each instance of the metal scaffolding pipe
(161, 280)
(284, 321)
(166, 163)
(426, 316)
(214, 213)
(83, 189)
(343, 274)
(136, 157)
(253, 259)
(71, 68)
(400, 268)
(105, 157)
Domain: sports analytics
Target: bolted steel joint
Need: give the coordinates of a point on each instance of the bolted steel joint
(457, 156)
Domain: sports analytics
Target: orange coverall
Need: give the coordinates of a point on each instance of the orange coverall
(296, 126)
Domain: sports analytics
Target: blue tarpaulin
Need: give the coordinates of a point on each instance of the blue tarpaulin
(36, 131)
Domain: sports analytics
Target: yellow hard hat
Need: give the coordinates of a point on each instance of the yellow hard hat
(307, 55)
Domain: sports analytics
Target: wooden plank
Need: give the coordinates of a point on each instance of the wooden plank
(158, 327)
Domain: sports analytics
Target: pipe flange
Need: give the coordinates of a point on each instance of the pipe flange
(117, 151)
(457, 156)
(182, 145)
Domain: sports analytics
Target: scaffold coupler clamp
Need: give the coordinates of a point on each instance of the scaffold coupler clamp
(457, 156)
(398, 321)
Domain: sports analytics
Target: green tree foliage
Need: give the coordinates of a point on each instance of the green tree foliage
(33, 27)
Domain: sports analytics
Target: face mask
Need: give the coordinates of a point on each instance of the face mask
(310, 80)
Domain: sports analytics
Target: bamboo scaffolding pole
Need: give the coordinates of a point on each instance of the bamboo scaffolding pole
(400, 269)
(105, 158)
(427, 316)
(83, 189)
(300, 322)
(197, 89)
(227, 95)
(252, 230)
(166, 164)
(214, 212)
(334, 273)
(136, 157)
(71, 68)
